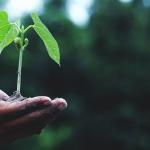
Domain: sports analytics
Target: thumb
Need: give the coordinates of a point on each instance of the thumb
(3, 95)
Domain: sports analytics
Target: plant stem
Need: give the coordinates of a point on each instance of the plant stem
(20, 64)
(29, 27)
(19, 71)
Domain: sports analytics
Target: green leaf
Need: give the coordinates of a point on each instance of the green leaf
(8, 31)
(47, 38)
(4, 24)
(3, 18)
(8, 37)
(3, 31)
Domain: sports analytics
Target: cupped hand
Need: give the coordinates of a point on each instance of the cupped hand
(20, 119)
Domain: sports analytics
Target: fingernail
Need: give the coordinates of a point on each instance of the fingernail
(60, 103)
(62, 106)
(46, 103)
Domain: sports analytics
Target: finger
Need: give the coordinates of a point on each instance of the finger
(20, 134)
(9, 110)
(26, 124)
(59, 103)
(32, 123)
(23, 131)
(46, 114)
(3, 95)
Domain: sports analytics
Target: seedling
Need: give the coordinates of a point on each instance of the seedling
(16, 32)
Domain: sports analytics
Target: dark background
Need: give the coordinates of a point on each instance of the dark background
(104, 76)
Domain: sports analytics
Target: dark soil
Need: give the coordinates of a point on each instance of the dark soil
(16, 97)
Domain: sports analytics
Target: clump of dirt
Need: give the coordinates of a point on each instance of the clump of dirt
(16, 97)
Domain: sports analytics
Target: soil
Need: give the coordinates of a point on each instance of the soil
(16, 97)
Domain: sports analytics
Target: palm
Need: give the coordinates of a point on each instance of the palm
(21, 119)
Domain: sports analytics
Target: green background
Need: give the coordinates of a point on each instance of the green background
(104, 76)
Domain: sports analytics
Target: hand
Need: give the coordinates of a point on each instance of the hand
(25, 118)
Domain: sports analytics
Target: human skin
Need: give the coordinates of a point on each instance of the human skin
(21, 119)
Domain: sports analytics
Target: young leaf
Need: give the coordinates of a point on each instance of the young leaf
(47, 38)
(4, 24)
(8, 37)
(8, 31)
(3, 31)
(3, 18)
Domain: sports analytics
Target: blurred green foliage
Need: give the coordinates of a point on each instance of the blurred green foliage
(104, 78)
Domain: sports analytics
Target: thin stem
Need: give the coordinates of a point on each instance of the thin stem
(29, 27)
(16, 26)
(20, 64)
(19, 71)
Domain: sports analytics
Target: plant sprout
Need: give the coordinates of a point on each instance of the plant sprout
(15, 31)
